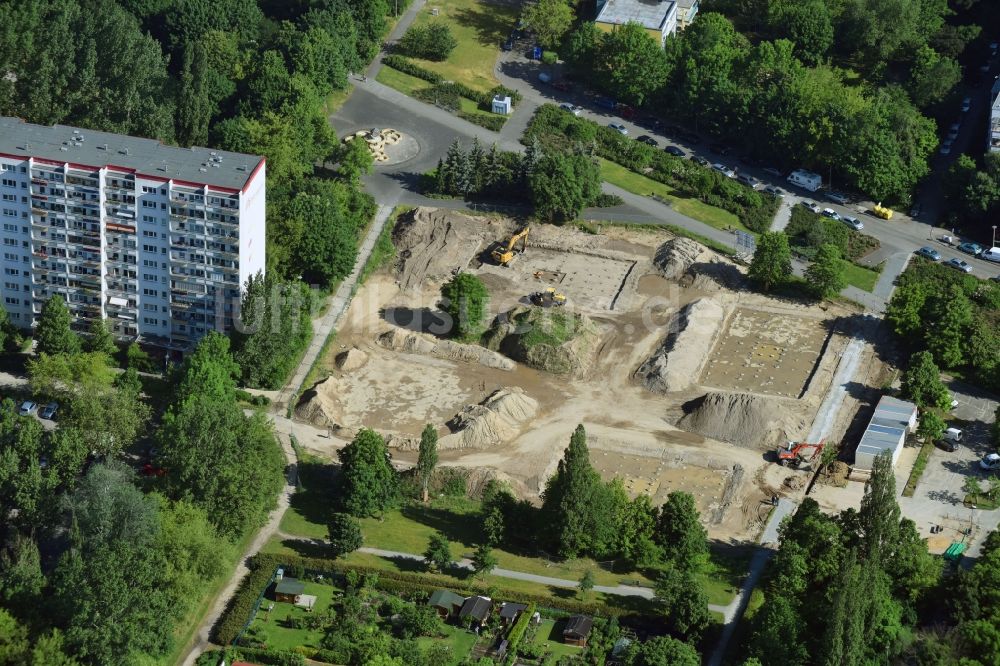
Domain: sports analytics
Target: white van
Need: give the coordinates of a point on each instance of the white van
(992, 254)
(954, 434)
(805, 179)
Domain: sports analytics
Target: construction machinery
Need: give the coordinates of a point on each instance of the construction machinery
(550, 298)
(504, 252)
(882, 211)
(797, 454)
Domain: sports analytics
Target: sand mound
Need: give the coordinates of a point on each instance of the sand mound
(352, 359)
(675, 257)
(432, 242)
(748, 421)
(317, 407)
(679, 360)
(398, 339)
(554, 340)
(494, 421)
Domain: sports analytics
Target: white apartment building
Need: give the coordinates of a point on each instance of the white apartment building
(157, 239)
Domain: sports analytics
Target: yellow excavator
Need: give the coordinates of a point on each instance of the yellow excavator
(550, 298)
(504, 253)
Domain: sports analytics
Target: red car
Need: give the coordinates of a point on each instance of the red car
(563, 86)
(625, 111)
(152, 470)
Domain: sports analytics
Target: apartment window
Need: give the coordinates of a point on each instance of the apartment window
(10, 197)
(150, 320)
(9, 212)
(9, 241)
(149, 218)
(9, 257)
(148, 234)
(11, 271)
(149, 307)
(149, 248)
(15, 315)
(148, 277)
(10, 285)
(148, 204)
(149, 263)
(6, 167)
(9, 227)
(150, 292)
(9, 182)
(12, 301)
(146, 189)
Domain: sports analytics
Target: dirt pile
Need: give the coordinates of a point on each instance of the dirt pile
(679, 360)
(748, 421)
(675, 257)
(494, 421)
(432, 242)
(550, 339)
(316, 406)
(398, 339)
(350, 360)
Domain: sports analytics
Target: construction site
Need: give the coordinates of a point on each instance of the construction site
(684, 378)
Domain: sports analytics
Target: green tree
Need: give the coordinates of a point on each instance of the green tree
(905, 309)
(637, 532)
(465, 300)
(100, 340)
(562, 185)
(354, 160)
(483, 561)
(778, 633)
(53, 333)
(586, 583)
(567, 502)
(680, 533)
(667, 651)
(630, 64)
(438, 553)
(772, 260)
(921, 382)
(683, 602)
(947, 318)
(368, 482)
(344, 532)
(208, 370)
(549, 20)
(21, 578)
(826, 274)
(931, 426)
(431, 41)
(427, 458)
(807, 25)
(195, 105)
(932, 77)
(878, 518)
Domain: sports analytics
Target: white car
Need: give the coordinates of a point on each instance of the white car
(966, 104)
(990, 461)
(837, 197)
(830, 213)
(575, 110)
(811, 205)
(724, 170)
(618, 127)
(953, 131)
(945, 148)
(853, 222)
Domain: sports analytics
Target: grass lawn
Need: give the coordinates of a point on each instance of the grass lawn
(549, 637)
(861, 277)
(636, 183)
(336, 99)
(400, 81)
(458, 639)
(722, 576)
(282, 637)
(479, 27)
(919, 465)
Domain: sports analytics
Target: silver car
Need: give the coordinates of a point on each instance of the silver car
(958, 265)
(852, 222)
(837, 197)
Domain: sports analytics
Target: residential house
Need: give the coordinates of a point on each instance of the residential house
(577, 630)
(686, 11)
(475, 610)
(657, 17)
(445, 603)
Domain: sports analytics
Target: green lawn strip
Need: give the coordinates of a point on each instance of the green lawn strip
(860, 277)
(458, 639)
(636, 183)
(982, 501)
(548, 636)
(722, 575)
(400, 81)
(479, 27)
(919, 465)
(383, 251)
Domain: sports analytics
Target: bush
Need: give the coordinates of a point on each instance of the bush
(549, 57)
(433, 41)
(517, 631)
(807, 231)
(494, 123)
(445, 95)
(406, 66)
(271, 657)
(607, 200)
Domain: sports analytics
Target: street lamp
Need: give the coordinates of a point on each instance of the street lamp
(994, 237)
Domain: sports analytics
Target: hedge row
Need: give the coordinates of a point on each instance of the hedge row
(413, 69)
(516, 634)
(411, 586)
(491, 122)
(556, 128)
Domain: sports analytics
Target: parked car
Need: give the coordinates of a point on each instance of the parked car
(958, 265)
(724, 170)
(811, 205)
(508, 45)
(719, 149)
(948, 445)
(648, 140)
(575, 110)
(27, 407)
(625, 111)
(689, 137)
(948, 240)
(675, 151)
(773, 171)
(915, 210)
(606, 102)
(837, 197)
(990, 461)
(975, 249)
(698, 159)
(966, 104)
(618, 127)
(953, 131)
(830, 213)
(749, 181)
(929, 253)
(852, 222)
(945, 148)
(774, 191)
(564, 86)
(49, 410)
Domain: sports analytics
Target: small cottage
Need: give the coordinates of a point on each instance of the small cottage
(445, 603)
(577, 630)
(288, 590)
(475, 610)
(509, 611)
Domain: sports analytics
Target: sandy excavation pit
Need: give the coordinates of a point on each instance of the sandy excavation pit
(635, 428)
(765, 352)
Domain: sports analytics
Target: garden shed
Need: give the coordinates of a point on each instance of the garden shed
(577, 630)
(476, 608)
(886, 432)
(445, 603)
(288, 590)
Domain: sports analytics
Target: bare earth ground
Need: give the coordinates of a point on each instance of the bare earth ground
(765, 345)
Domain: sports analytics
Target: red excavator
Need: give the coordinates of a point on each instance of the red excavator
(794, 454)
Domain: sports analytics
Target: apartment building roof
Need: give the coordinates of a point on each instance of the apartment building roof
(146, 157)
(650, 14)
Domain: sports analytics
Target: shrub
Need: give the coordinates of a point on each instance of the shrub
(549, 57)
(494, 123)
(433, 41)
(517, 631)
(406, 66)
(607, 200)
(807, 231)
(445, 95)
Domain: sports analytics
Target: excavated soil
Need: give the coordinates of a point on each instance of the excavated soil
(530, 335)
(750, 421)
(433, 243)
(680, 358)
(495, 421)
